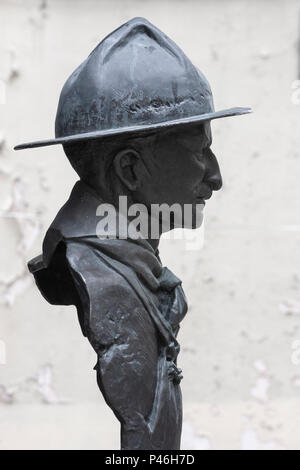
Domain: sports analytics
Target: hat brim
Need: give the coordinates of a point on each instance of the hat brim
(135, 129)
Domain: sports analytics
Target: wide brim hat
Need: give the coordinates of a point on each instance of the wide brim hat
(137, 80)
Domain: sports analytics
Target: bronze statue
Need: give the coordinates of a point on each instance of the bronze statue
(134, 120)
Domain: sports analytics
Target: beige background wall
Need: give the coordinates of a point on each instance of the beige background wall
(241, 387)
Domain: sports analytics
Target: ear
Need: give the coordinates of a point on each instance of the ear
(126, 164)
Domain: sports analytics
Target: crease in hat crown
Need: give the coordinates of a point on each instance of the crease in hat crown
(135, 80)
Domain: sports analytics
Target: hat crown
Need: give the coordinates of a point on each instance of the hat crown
(135, 76)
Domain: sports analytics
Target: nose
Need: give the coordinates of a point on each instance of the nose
(212, 171)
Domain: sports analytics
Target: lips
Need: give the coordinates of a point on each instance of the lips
(208, 194)
(205, 196)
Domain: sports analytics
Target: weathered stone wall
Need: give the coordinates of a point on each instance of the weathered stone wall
(241, 382)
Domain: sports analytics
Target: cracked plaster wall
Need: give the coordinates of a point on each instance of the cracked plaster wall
(241, 380)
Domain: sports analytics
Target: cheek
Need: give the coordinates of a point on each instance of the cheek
(182, 184)
(185, 168)
(192, 175)
(174, 179)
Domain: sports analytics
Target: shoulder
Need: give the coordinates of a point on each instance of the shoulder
(98, 278)
(108, 304)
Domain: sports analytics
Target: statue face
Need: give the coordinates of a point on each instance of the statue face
(184, 171)
(175, 170)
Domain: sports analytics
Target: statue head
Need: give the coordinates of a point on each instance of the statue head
(175, 167)
(134, 119)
